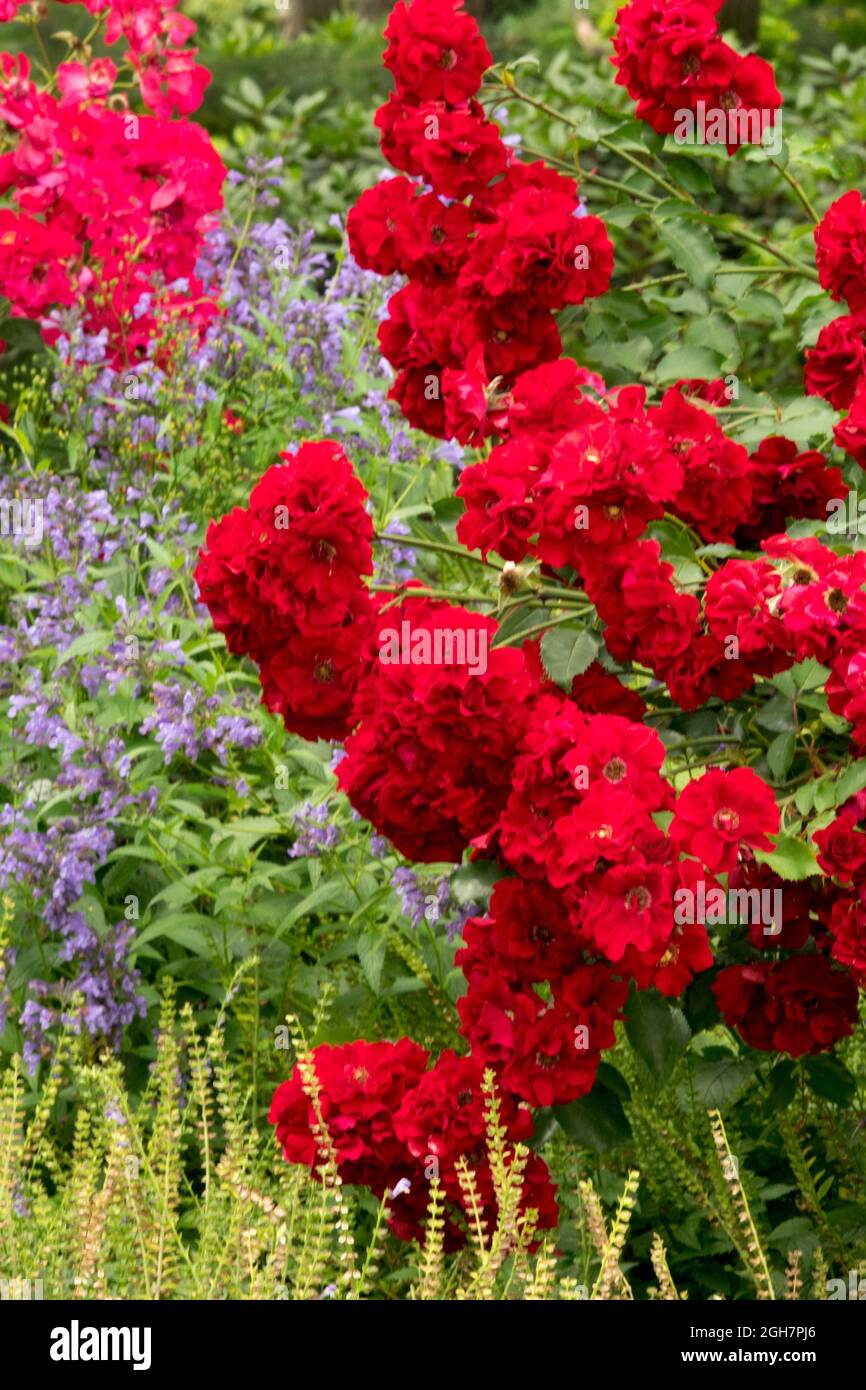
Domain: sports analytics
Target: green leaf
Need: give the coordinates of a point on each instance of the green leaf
(692, 250)
(852, 781)
(596, 1121)
(777, 715)
(716, 1082)
(783, 1084)
(791, 859)
(689, 362)
(449, 509)
(804, 798)
(473, 883)
(780, 755)
(20, 335)
(831, 1080)
(95, 641)
(658, 1032)
(566, 655)
(809, 675)
(630, 358)
(372, 946)
(187, 929)
(328, 892)
(688, 173)
(251, 92)
(807, 419)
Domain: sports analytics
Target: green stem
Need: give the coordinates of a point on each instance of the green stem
(534, 631)
(799, 190)
(768, 270)
(440, 547)
(456, 595)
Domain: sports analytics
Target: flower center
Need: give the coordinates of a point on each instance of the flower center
(638, 899)
(836, 601)
(726, 820)
(615, 770)
(448, 59)
(543, 1060)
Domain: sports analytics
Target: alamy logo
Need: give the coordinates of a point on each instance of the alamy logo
(715, 907)
(735, 125)
(22, 517)
(76, 1343)
(438, 646)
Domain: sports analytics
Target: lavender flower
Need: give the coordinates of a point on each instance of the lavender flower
(185, 720)
(315, 832)
(429, 900)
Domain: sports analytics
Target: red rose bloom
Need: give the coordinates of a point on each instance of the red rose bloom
(435, 51)
(840, 246)
(835, 365)
(283, 580)
(798, 1005)
(842, 848)
(549, 1066)
(630, 905)
(850, 433)
(443, 1115)
(671, 59)
(294, 556)
(719, 812)
(362, 1085)
(847, 925)
(430, 764)
(374, 225)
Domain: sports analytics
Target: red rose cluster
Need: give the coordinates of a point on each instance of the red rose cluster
(842, 855)
(796, 1005)
(583, 471)
(671, 60)
(492, 247)
(111, 207)
(431, 760)
(283, 579)
(836, 366)
(394, 1125)
(595, 850)
(602, 866)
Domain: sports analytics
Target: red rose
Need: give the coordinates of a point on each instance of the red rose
(798, 1005)
(435, 51)
(362, 1085)
(835, 365)
(840, 245)
(719, 812)
(850, 433)
(842, 848)
(430, 764)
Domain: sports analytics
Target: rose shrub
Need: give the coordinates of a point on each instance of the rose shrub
(596, 848)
